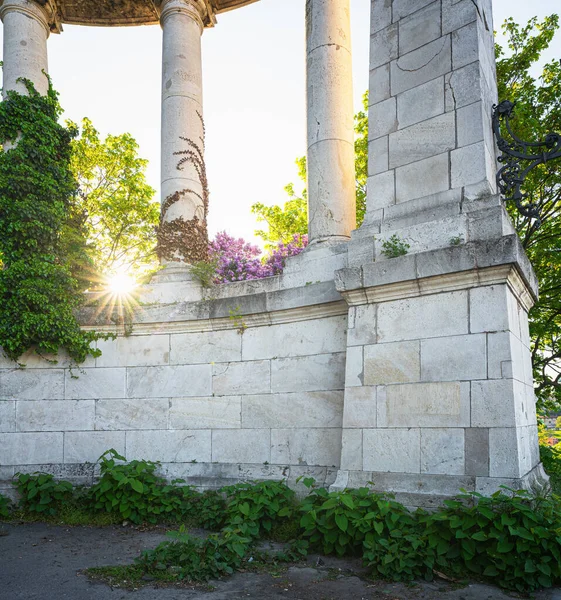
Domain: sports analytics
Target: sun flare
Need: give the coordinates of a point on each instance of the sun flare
(121, 284)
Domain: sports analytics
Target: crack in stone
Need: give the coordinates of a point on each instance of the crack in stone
(426, 64)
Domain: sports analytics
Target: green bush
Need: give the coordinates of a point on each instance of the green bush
(40, 493)
(5, 506)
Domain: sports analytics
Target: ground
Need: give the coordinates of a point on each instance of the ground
(46, 562)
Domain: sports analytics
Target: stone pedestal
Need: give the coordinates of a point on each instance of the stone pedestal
(331, 171)
(27, 26)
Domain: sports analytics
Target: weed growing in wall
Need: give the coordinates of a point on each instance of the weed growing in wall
(394, 247)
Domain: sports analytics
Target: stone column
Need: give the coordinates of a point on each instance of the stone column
(331, 168)
(26, 29)
(182, 22)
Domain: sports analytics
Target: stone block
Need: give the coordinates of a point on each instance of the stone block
(378, 155)
(381, 192)
(456, 14)
(383, 46)
(463, 86)
(477, 451)
(7, 416)
(55, 415)
(206, 347)
(379, 84)
(241, 445)
(31, 384)
(360, 407)
(419, 28)
(354, 367)
(392, 450)
(492, 403)
(310, 447)
(308, 373)
(424, 140)
(471, 124)
(398, 362)
(443, 451)
(351, 452)
(429, 316)
(296, 410)
(295, 339)
(465, 45)
(134, 351)
(422, 178)
(95, 383)
(363, 330)
(454, 358)
(382, 118)
(232, 379)
(88, 446)
(404, 8)
(217, 412)
(424, 64)
(505, 453)
(488, 310)
(30, 448)
(421, 103)
(381, 15)
(170, 446)
(134, 413)
(169, 382)
(424, 405)
(505, 356)
(472, 165)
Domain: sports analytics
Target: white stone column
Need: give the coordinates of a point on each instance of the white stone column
(26, 29)
(182, 104)
(331, 168)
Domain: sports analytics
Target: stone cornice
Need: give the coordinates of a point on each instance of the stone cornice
(43, 11)
(200, 11)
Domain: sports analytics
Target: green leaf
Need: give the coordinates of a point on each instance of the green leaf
(342, 522)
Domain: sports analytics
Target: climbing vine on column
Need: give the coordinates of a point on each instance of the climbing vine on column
(38, 294)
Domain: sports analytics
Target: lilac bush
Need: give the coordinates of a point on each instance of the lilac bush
(238, 260)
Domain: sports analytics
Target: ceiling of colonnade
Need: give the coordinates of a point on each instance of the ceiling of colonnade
(123, 12)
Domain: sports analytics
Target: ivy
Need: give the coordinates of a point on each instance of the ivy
(38, 290)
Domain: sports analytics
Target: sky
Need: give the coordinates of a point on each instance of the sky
(254, 94)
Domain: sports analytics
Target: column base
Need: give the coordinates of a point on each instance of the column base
(174, 283)
(329, 240)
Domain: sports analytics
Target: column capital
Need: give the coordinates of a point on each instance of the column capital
(200, 11)
(43, 11)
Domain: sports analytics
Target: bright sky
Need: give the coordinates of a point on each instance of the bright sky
(254, 86)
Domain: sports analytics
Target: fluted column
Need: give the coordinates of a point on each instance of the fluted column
(182, 178)
(26, 29)
(331, 168)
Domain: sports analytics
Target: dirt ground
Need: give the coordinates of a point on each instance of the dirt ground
(43, 562)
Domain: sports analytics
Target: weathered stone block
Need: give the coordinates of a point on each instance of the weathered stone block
(398, 362)
(217, 412)
(505, 356)
(454, 358)
(382, 118)
(492, 403)
(135, 413)
(420, 28)
(297, 410)
(170, 446)
(351, 453)
(507, 455)
(473, 164)
(379, 84)
(383, 46)
(95, 383)
(88, 446)
(30, 448)
(424, 405)
(392, 450)
(31, 384)
(463, 86)
(456, 14)
(442, 451)
(423, 140)
(241, 378)
(420, 103)
(470, 124)
(421, 65)
(241, 445)
(206, 347)
(363, 329)
(169, 382)
(381, 192)
(378, 155)
(465, 45)
(7, 416)
(354, 367)
(403, 8)
(477, 451)
(435, 315)
(134, 351)
(308, 373)
(360, 407)
(320, 447)
(488, 309)
(422, 178)
(55, 415)
(381, 15)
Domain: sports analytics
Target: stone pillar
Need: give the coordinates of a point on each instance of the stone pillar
(182, 175)
(26, 29)
(331, 169)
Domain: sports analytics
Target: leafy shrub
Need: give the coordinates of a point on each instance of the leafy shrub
(5, 506)
(257, 506)
(40, 493)
(210, 507)
(197, 559)
(394, 247)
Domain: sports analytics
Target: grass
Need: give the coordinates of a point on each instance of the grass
(131, 576)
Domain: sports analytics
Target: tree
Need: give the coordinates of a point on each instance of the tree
(284, 222)
(115, 207)
(538, 112)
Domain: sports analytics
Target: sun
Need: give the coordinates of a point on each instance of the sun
(121, 284)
